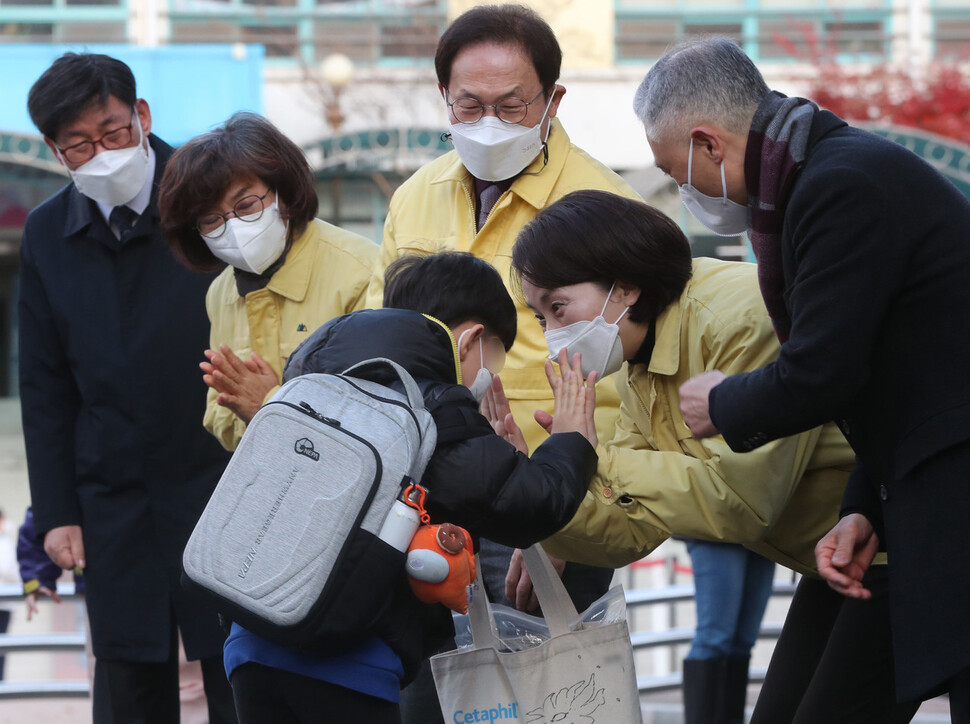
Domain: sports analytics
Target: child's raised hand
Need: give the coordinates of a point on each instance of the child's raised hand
(575, 400)
(31, 599)
(495, 407)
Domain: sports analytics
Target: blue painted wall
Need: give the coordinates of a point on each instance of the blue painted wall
(189, 88)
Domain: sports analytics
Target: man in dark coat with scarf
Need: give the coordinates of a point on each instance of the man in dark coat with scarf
(112, 329)
(864, 264)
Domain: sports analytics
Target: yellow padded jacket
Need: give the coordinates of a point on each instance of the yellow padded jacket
(325, 274)
(654, 479)
(434, 210)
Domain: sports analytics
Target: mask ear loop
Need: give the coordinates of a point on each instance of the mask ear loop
(608, 295)
(623, 313)
(141, 133)
(690, 162)
(723, 184)
(552, 97)
(481, 347)
(545, 145)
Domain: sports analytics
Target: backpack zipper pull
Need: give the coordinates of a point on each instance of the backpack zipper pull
(317, 416)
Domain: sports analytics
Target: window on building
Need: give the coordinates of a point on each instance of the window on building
(413, 40)
(270, 3)
(205, 32)
(858, 38)
(726, 30)
(281, 41)
(27, 32)
(91, 32)
(358, 40)
(638, 39)
(766, 29)
(783, 40)
(367, 31)
(952, 39)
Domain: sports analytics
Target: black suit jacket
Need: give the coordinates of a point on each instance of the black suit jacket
(876, 259)
(111, 336)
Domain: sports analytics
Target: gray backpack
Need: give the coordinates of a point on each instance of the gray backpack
(288, 546)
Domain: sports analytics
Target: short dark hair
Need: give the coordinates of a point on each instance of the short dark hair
(596, 236)
(199, 173)
(453, 287)
(73, 83)
(506, 25)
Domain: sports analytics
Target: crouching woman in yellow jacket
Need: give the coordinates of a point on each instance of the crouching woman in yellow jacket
(242, 195)
(613, 279)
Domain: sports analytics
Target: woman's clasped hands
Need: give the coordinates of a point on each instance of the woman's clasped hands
(242, 384)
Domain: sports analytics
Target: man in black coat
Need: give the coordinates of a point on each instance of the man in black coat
(111, 332)
(864, 264)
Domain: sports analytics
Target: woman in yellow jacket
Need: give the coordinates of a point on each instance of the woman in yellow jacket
(243, 195)
(613, 279)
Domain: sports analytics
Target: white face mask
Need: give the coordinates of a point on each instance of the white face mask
(114, 177)
(597, 340)
(252, 246)
(719, 214)
(483, 379)
(492, 150)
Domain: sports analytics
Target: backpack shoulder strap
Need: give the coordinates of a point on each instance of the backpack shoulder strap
(411, 389)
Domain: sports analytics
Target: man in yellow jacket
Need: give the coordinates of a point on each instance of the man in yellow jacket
(497, 69)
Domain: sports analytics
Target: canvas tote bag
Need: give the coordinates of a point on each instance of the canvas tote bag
(582, 676)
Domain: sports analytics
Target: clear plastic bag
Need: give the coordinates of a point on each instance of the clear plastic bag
(519, 631)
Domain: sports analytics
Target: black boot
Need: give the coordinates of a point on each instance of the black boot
(734, 690)
(715, 690)
(700, 690)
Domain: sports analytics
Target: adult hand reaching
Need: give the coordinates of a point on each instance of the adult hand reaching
(694, 404)
(242, 385)
(518, 582)
(844, 554)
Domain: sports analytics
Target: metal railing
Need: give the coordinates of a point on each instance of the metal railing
(44, 643)
(75, 641)
(683, 635)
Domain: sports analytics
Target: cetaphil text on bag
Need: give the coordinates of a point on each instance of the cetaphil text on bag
(496, 713)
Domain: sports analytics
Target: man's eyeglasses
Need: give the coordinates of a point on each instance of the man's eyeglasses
(509, 110)
(248, 208)
(114, 139)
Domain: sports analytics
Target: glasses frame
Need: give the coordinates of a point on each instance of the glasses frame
(495, 107)
(76, 146)
(225, 217)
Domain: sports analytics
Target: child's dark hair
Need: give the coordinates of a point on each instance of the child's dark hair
(453, 287)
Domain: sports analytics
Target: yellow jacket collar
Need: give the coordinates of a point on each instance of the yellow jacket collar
(531, 185)
(665, 359)
(454, 345)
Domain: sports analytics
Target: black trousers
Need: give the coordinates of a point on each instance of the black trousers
(130, 692)
(833, 662)
(264, 694)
